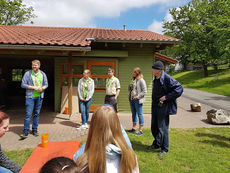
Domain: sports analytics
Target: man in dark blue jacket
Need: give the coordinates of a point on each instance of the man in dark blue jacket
(165, 92)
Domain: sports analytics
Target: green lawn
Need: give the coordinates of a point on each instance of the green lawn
(196, 150)
(201, 150)
(218, 83)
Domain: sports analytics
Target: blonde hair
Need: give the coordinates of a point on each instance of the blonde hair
(36, 62)
(105, 128)
(137, 70)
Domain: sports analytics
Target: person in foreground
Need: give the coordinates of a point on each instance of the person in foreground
(35, 82)
(60, 165)
(106, 149)
(165, 92)
(6, 165)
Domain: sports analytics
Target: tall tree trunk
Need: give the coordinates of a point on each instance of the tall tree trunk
(215, 67)
(205, 70)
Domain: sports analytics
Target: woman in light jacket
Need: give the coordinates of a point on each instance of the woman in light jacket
(106, 149)
(85, 93)
(137, 92)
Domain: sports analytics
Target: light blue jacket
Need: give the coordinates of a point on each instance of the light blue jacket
(28, 81)
(82, 149)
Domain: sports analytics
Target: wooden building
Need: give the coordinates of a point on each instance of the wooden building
(65, 52)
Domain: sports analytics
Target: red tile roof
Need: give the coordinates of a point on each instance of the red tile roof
(67, 36)
(165, 58)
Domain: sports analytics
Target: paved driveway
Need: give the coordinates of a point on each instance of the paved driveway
(60, 128)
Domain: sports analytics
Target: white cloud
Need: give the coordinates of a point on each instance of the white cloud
(156, 26)
(82, 12)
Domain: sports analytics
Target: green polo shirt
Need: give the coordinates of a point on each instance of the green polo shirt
(37, 81)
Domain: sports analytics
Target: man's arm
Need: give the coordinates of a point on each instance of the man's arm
(117, 93)
(118, 86)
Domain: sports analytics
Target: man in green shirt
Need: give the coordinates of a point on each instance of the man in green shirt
(35, 82)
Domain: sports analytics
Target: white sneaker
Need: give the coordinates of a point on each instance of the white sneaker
(86, 125)
(82, 127)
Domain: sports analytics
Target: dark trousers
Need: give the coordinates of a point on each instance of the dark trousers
(111, 101)
(160, 127)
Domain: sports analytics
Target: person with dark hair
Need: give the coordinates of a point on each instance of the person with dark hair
(35, 82)
(165, 92)
(60, 165)
(6, 164)
(137, 92)
(112, 89)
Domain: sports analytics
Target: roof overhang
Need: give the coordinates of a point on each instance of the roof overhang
(43, 47)
(137, 41)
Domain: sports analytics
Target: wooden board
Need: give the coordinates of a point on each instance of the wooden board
(64, 99)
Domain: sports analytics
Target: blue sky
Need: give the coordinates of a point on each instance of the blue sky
(136, 14)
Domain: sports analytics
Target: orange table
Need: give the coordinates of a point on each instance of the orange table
(55, 149)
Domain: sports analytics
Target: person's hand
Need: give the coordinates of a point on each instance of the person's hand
(39, 89)
(163, 98)
(134, 98)
(35, 88)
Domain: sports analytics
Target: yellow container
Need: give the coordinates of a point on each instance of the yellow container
(45, 139)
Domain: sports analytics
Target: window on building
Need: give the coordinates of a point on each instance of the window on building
(77, 70)
(17, 75)
(99, 70)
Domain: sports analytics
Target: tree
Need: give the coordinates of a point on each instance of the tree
(204, 28)
(14, 12)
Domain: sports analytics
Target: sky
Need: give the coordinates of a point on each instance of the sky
(135, 14)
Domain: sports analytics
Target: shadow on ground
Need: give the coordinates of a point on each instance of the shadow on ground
(70, 123)
(138, 146)
(215, 140)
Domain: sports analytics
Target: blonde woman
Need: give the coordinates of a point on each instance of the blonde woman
(106, 149)
(85, 93)
(137, 92)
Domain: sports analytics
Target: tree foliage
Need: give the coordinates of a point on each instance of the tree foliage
(14, 12)
(204, 28)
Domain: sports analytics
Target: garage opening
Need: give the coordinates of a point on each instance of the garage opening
(12, 96)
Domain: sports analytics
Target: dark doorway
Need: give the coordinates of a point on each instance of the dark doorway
(11, 73)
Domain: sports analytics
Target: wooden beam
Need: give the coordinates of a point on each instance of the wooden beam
(107, 53)
(70, 85)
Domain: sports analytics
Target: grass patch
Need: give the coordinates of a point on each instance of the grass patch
(217, 82)
(192, 150)
(195, 150)
(19, 156)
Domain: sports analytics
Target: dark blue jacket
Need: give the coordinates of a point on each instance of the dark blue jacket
(172, 89)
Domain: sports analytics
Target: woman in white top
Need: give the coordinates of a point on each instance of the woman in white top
(85, 93)
(106, 150)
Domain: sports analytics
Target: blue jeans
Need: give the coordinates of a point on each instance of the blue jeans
(5, 170)
(85, 110)
(160, 127)
(33, 107)
(136, 109)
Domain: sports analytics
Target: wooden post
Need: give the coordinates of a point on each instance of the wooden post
(70, 86)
